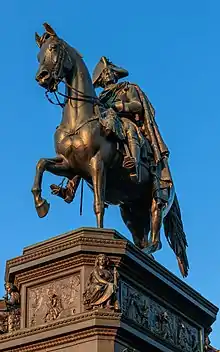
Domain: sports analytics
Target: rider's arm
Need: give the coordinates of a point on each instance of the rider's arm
(132, 105)
(98, 278)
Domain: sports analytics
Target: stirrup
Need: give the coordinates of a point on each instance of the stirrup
(65, 193)
(57, 191)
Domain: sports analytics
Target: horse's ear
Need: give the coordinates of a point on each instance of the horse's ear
(38, 39)
(49, 30)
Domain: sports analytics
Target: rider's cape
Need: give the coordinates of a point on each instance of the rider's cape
(173, 226)
(151, 132)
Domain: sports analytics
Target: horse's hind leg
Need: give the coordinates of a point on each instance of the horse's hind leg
(58, 166)
(156, 222)
(138, 222)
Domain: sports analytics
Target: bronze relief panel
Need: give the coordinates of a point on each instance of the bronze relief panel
(53, 300)
(159, 320)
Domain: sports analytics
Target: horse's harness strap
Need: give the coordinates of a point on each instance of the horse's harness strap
(86, 99)
(81, 125)
(83, 97)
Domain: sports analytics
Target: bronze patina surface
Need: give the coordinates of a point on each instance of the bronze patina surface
(113, 143)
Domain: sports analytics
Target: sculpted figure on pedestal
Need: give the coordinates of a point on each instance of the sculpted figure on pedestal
(102, 285)
(10, 309)
(207, 344)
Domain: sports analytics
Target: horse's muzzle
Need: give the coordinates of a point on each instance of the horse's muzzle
(46, 80)
(42, 76)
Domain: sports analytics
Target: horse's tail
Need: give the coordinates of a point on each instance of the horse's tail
(173, 228)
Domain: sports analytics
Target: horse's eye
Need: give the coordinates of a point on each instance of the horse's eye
(52, 47)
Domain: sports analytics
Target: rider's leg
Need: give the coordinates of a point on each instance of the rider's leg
(133, 162)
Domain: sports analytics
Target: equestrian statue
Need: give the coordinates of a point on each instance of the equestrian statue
(113, 143)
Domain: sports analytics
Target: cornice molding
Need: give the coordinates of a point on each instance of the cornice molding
(97, 314)
(76, 336)
(79, 240)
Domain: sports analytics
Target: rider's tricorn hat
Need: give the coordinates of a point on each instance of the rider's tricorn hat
(104, 63)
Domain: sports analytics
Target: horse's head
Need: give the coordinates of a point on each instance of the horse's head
(55, 61)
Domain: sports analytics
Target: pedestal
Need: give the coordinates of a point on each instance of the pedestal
(158, 312)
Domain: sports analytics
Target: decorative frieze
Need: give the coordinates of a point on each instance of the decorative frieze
(160, 321)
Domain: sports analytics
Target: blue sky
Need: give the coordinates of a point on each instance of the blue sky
(171, 49)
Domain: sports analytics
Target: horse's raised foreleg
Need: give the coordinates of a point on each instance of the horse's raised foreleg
(58, 166)
(98, 178)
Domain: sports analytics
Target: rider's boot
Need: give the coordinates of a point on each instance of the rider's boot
(67, 193)
(133, 162)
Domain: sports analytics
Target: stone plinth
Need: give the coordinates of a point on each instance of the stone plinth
(158, 312)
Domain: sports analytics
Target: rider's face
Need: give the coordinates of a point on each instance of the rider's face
(108, 77)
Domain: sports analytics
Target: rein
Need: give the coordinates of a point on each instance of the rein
(85, 98)
(52, 102)
(80, 96)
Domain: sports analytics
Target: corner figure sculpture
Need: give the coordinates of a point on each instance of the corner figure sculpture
(10, 309)
(207, 344)
(113, 143)
(102, 285)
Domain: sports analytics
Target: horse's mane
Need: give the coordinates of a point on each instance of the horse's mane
(71, 48)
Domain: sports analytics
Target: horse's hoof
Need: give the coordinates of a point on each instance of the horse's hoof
(147, 250)
(154, 247)
(151, 256)
(148, 253)
(43, 208)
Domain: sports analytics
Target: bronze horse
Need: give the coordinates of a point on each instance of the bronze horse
(83, 149)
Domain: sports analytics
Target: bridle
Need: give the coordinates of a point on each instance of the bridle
(56, 72)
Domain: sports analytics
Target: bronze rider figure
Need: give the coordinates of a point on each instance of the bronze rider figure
(136, 114)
